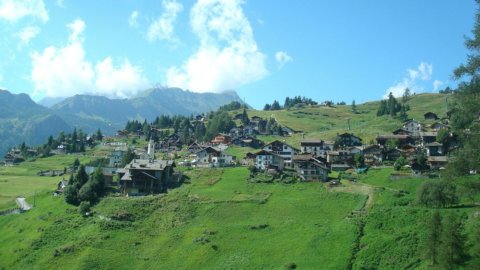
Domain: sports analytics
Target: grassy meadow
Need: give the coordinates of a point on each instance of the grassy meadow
(218, 220)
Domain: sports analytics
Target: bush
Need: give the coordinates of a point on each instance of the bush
(84, 207)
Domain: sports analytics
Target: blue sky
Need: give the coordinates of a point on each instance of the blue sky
(263, 49)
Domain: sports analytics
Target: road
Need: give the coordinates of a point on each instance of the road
(22, 203)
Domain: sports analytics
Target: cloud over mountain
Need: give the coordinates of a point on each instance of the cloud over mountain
(228, 56)
(64, 71)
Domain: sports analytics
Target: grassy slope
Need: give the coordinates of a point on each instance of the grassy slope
(325, 123)
(306, 225)
(22, 180)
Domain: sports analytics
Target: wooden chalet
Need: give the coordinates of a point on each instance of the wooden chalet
(310, 169)
(143, 176)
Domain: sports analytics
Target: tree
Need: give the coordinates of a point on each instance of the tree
(359, 160)
(127, 158)
(433, 240)
(275, 106)
(99, 135)
(392, 104)
(406, 95)
(354, 107)
(98, 181)
(465, 111)
(245, 119)
(87, 193)
(475, 248)
(435, 193)
(452, 248)
(267, 107)
(399, 163)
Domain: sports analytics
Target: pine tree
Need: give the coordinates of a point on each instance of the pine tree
(451, 251)
(245, 119)
(433, 241)
(354, 107)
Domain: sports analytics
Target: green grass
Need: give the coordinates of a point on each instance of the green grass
(22, 180)
(325, 123)
(305, 225)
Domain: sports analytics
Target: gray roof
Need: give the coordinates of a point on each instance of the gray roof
(149, 164)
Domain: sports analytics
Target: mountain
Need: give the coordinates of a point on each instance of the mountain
(22, 120)
(50, 101)
(91, 112)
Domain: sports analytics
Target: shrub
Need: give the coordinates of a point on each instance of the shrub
(434, 193)
(84, 207)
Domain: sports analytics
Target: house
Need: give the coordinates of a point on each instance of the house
(413, 126)
(61, 185)
(438, 125)
(195, 147)
(222, 139)
(248, 141)
(122, 133)
(339, 167)
(401, 131)
(116, 157)
(398, 139)
(430, 116)
(310, 169)
(249, 159)
(211, 157)
(315, 147)
(437, 162)
(282, 149)
(428, 137)
(143, 176)
(347, 139)
(13, 158)
(373, 155)
(434, 149)
(267, 159)
(393, 154)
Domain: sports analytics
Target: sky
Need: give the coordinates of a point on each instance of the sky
(340, 50)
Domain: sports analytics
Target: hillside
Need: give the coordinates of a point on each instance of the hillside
(217, 219)
(92, 112)
(325, 122)
(21, 119)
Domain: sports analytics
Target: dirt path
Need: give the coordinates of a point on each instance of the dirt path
(22, 203)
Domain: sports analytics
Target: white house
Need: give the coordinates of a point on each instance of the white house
(283, 150)
(265, 159)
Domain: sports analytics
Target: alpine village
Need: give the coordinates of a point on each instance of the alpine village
(299, 184)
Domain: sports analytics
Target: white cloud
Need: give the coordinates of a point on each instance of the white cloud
(64, 71)
(13, 10)
(133, 19)
(162, 28)
(118, 82)
(60, 3)
(422, 73)
(228, 56)
(77, 27)
(27, 33)
(437, 84)
(282, 58)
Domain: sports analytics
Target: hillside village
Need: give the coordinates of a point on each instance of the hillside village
(417, 147)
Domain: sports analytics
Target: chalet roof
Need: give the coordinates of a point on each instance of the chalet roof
(329, 142)
(437, 159)
(340, 165)
(279, 142)
(266, 153)
(433, 144)
(311, 142)
(428, 134)
(304, 157)
(149, 164)
(209, 150)
(401, 130)
(392, 136)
